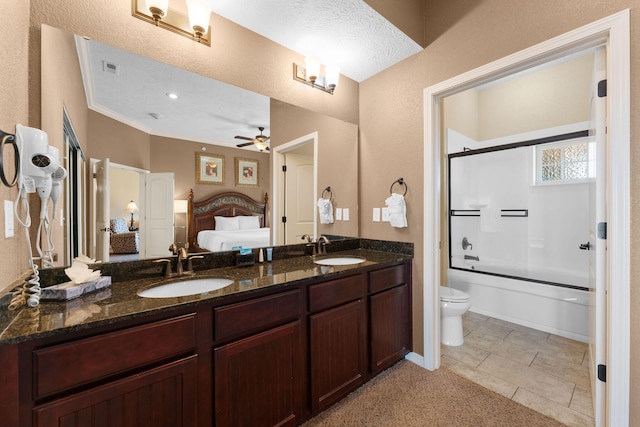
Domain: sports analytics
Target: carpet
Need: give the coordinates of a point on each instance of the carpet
(408, 395)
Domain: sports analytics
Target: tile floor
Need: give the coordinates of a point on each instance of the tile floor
(547, 373)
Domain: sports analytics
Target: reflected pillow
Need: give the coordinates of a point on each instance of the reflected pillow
(224, 223)
(249, 222)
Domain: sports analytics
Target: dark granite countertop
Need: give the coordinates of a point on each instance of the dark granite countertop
(120, 301)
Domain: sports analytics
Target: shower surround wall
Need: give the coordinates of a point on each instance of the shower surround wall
(525, 258)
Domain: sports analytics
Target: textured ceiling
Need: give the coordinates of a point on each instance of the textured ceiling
(347, 33)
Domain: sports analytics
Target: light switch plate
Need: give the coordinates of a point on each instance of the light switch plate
(376, 214)
(345, 214)
(385, 215)
(9, 227)
(338, 214)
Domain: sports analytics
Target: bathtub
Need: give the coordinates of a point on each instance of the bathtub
(558, 310)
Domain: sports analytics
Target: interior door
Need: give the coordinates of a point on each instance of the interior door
(102, 210)
(299, 203)
(597, 237)
(156, 226)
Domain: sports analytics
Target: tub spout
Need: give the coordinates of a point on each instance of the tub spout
(471, 257)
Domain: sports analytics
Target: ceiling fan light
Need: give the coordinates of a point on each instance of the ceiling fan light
(199, 16)
(157, 8)
(261, 145)
(312, 68)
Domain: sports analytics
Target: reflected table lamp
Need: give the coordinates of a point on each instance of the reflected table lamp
(181, 206)
(131, 207)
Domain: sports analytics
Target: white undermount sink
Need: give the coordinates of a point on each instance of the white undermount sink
(343, 260)
(185, 288)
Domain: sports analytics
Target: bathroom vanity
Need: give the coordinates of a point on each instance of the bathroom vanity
(283, 342)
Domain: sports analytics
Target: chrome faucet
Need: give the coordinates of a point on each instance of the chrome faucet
(322, 245)
(182, 254)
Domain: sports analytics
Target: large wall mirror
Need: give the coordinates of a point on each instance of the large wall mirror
(137, 143)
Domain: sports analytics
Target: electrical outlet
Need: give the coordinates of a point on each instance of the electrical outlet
(9, 226)
(376, 214)
(338, 214)
(345, 214)
(385, 215)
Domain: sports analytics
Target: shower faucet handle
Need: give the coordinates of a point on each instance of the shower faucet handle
(466, 244)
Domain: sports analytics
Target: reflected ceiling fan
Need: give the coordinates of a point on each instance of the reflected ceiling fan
(260, 141)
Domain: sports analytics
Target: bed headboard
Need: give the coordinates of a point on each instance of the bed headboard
(201, 213)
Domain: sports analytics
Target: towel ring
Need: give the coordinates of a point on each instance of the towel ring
(330, 193)
(400, 182)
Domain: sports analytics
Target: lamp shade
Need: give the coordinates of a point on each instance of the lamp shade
(332, 75)
(312, 68)
(131, 207)
(180, 206)
(199, 16)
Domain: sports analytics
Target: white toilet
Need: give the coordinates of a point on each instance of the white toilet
(453, 304)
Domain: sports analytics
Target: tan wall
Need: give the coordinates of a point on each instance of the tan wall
(337, 157)
(460, 113)
(121, 143)
(461, 40)
(179, 156)
(406, 15)
(14, 108)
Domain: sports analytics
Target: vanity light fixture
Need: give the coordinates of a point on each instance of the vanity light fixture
(311, 75)
(194, 26)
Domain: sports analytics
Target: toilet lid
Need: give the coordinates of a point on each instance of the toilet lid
(453, 295)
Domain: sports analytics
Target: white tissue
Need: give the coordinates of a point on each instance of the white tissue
(325, 210)
(397, 210)
(79, 272)
(85, 259)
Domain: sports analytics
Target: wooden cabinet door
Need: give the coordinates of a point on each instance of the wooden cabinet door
(390, 327)
(337, 353)
(164, 396)
(259, 380)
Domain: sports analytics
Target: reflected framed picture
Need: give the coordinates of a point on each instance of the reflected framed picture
(209, 169)
(246, 172)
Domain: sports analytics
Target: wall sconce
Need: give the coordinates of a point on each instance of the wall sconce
(310, 75)
(131, 207)
(195, 26)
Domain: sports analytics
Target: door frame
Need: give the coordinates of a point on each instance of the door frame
(614, 31)
(277, 160)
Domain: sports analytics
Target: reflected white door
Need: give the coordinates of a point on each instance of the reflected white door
(598, 253)
(102, 210)
(299, 203)
(157, 223)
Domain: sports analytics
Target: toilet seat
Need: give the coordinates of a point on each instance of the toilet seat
(453, 295)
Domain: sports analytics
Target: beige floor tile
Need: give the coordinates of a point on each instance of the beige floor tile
(447, 362)
(468, 354)
(531, 379)
(516, 327)
(582, 402)
(476, 315)
(484, 328)
(501, 347)
(491, 382)
(567, 342)
(561, 368)
(551, 409)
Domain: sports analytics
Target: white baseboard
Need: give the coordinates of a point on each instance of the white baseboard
(415, 358)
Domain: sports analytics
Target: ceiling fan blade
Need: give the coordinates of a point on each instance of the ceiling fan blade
(244, 144)
(243, 137)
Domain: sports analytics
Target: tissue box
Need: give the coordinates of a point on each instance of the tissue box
(69, 290)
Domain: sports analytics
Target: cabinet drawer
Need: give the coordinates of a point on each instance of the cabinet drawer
(387, 278)
(256, 315)
(69, 365)
(335, 292)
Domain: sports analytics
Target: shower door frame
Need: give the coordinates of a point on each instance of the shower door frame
(614, 32)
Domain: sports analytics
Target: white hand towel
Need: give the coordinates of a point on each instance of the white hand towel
(397, 210)
(490, 220)
(325, 210)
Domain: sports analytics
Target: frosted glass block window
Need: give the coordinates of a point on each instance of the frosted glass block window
(565, 162)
